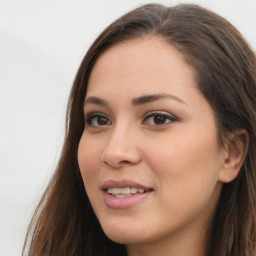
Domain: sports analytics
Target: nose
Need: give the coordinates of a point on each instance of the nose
(122, 148)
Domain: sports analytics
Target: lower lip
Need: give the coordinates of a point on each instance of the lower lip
(124, 202)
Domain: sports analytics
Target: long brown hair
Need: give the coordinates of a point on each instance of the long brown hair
(225, 70)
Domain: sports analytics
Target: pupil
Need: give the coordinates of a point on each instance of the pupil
(159, 119)
(102, 120)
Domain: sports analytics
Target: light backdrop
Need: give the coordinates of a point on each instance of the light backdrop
(42, 43)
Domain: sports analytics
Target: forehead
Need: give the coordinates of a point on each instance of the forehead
(148, 61)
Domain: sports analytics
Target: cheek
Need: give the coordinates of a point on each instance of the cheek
(186, 164)
(89, 162)
(187, 178)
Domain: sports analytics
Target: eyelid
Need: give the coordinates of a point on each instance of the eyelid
(160, 112)
(90, 116)
(166, 114)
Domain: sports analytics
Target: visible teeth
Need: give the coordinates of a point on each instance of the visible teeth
(116, 191)
(134, 190)
(110, 190)
(125, 191)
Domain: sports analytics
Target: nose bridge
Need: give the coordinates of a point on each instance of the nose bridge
(121, 146)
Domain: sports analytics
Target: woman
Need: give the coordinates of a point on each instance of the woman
(161, 134)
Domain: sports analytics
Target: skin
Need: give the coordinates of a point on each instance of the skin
(180, 158)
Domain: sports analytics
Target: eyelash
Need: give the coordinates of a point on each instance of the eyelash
(165, 115)
(90, 117)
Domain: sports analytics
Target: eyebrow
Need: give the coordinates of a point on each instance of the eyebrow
(97, 101)
(145, 99)
(154, 97)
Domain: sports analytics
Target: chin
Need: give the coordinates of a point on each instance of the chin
(122, 235)
(121, 238)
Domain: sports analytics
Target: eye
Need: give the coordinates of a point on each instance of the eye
(97, 120)
(158, 118)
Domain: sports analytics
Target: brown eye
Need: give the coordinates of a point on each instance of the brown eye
(97, 120)
(159, 118)
(102, 120)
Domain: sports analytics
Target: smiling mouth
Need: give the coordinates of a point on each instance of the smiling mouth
(127, 191)
(123, 194)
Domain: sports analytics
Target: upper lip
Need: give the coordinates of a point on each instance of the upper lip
(111, 183)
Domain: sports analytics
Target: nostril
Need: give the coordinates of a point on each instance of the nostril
(117, 164)
(124, 162)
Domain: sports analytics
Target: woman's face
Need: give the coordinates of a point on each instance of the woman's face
(149, 154)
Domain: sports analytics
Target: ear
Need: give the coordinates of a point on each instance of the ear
(235, 149)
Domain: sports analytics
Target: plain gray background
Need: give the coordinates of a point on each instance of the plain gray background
(42, 43)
